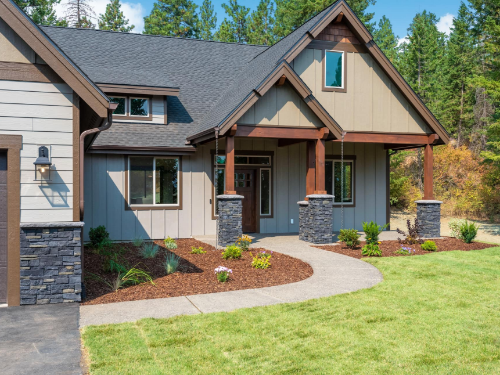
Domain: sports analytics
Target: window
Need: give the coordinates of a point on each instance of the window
(265, 191)
(121, 110)
(153, 181)
(245, 160)
(139, 107)
(219, 182)
(334, 69)
(129, 107)
(333, 180)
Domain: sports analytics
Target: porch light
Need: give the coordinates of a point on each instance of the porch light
(42, 165)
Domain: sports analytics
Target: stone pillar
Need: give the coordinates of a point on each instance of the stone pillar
(429, 218)
(230, 218)
(51, 262)
(315, 219)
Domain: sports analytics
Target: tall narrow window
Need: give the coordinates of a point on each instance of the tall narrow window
(167, 181)
(334, 180)
(265, 192)
(334, 69)
(219, 187)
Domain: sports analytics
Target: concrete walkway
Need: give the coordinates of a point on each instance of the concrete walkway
(333, 274)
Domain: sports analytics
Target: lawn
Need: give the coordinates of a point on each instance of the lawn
(432, 314)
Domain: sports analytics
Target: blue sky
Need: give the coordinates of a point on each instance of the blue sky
(400, 12)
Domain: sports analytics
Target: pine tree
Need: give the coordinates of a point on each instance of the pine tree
(208, 20)
(42, 12)
(173, 18)
(79, 14)
(386, 40)
(113, 19)
(236, 24)
(225, 32)
(260, 24)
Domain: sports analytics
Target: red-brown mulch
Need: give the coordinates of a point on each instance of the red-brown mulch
(389, 247)
(195, 274)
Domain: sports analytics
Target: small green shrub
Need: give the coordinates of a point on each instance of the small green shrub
(262, 260)
(112, 264)
(350, 237)
(429, 246)
(171, 263)
(170, 243)
(149, 250)
(105, 248)
(372, 231)
(468, 231)
(371, 250)
(232, 252)
(455, 225)
(138, 241)
(197, 250)
(98, 235)
(222, 273)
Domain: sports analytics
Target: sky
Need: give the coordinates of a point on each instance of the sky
(399, 12)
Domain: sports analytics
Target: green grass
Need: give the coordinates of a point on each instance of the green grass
(433, 314)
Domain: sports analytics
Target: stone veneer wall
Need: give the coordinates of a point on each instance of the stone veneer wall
(429, 218)
(230, 218)
(51, 263)
(315, 219)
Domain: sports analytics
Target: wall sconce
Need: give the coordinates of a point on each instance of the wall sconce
(42, 165)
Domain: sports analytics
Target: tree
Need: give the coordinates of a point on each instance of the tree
(236, 24)
(79, 14)
(173, 18)
(386, 40)
(260, 24)
(113, 19)
(208, 20)
(225, 33)
(42, 12)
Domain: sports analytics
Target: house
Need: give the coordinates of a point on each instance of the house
(139, 133)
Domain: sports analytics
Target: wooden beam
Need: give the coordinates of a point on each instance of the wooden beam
(233, 130)
(310, 168)
(428, 169)
(281, 81)
(229, 166)
(339, 17)
(280, 132)
(289, 142)
(400, 139)
(320, 167)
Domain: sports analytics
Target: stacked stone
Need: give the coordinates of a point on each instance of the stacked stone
(429, 218)
(230, 219)
(51, 266)
(315, 219)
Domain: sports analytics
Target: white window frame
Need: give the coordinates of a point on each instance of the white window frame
(270, 191)
(154, 182)
(130, 106)
(126, 105)
(333, 180)
(343, 68)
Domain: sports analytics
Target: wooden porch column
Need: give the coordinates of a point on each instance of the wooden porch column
(311, 168)
(428, 178)
(229, 165)
(320, 167)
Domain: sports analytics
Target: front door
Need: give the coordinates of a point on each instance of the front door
(244, 183)
(3, 227)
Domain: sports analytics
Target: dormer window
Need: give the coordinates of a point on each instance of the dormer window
(334, 72)
(132, 108)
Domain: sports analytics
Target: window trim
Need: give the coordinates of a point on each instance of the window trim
(130, 98)
(127, 115)
(344, 72)
(126, 105)
(147, 207)
(249, 156)
(350, 159)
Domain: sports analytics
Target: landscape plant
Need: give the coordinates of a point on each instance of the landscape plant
(350, 237)
(222, 273)
(171, 263)
(454, 225)
(232, 252)
(170, 243)
(405, 250)
(98, 235)
(244, 242)
(197, 250)
(413, 235)
(372, 231)
(149, 250)
(132, 276)
(371, 250)
(138, 241)
(112, 265)
(429, 246)
(468, 231)
(261, 260)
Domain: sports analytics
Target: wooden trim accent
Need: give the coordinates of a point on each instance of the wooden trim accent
(76, 157)
(13, 144)
(320, 167)
(339, 17)
(232, 131)
(400, 139)
(323, 74)
(165, 110)
(152, 208)
(298, 47)
(138, 90)
(388, 189)
(310, 168)
(326, 20)
(284, 70)
(428, 173)
(11, 71)
(324, 116)
(339, 46)
(126, 149)
(280, 132)
(54, 57)
(229, 185)
(231, 119)
(281, 81)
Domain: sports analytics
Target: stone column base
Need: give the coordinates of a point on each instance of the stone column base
(315, 219)
(51, 263)
(429, 218)
(230, 219)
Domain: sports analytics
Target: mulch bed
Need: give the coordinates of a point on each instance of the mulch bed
(195, 274)
(389, 247)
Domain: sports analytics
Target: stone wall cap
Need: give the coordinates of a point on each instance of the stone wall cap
(229, 196)
(423, 201)
(54, 224)
(320, 196)
(303, 203)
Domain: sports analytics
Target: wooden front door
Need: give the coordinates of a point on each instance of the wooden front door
(244, 183)
(3, 227)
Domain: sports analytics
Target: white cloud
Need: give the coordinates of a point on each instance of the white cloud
(402, 40)
(445, 23)
(134, 12)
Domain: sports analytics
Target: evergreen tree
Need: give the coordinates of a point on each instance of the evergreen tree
(113, 19)
(173, 18)
(208, 20)
(260, 25)
(79, 14)
(386, 40)
(42, 12)
(237, 22)
(225, 32)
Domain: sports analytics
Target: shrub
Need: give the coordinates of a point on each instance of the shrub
(104, 248)
(468, 231)
(429, 246)
(170, 243)
(413, 235)
(371, 250)
(232, 252)
(112, 264)
(262, 260)
(372, 231)
(98, 235)
(138, 241)
(222, 273)
(171, 263)
(149, 250)
(197, 250)
(405, 250)
(244, 242)
(455, 225)
(350, 237)
(133, 276)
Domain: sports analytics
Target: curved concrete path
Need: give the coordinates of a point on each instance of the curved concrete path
(333, 274)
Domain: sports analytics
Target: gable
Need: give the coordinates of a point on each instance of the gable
(12, 47)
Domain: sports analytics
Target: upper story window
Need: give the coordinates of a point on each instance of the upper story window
(135, 108)
(334, 70)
